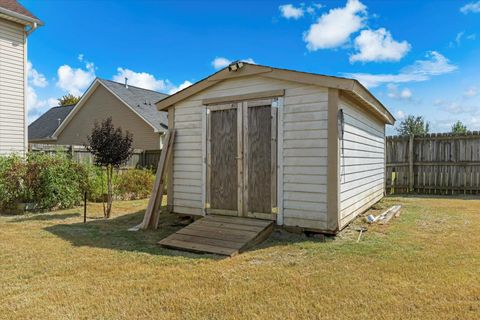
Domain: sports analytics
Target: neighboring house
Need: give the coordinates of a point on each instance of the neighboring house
(42, 129)
(16, 23)
(302, 149)
(131, 108)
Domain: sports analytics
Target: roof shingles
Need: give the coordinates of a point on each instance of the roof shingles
(141, 101)
(15, 6)
(44, 127)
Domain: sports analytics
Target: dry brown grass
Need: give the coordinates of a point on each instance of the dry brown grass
(425, 265)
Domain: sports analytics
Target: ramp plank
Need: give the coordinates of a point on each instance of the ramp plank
(219, 235)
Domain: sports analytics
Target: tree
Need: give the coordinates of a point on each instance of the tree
(413, 125)
(459, 127)
(110, 149)
(68, 100)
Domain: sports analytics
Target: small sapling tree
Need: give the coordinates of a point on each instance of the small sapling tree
(110, 149)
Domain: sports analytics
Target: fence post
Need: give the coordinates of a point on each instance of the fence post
(411, 177)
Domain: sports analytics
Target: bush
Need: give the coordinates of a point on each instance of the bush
(48, 181)
(134, 184)
(12, 184)
(131, 184)
(54, 181)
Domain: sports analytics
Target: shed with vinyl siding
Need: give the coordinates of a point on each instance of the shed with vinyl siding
(302, 149)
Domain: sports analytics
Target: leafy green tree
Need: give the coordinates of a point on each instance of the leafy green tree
(413, 125)
(68, 100)
(110, 149)
(459, 127)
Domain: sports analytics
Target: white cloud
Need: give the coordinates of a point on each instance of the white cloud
(470, 92)
(454, 107)
(184, 85)
(472, 36)
(472, 7)
(148, 81)
(290, 12)
(35, 78)
(378, 45)
(36, 106)
(140, 79)
(458, 38)
(334, 28)
(75, 80)
(400, 94)
(221, 62)
(421, 70)
(400, 115)
(80, 57)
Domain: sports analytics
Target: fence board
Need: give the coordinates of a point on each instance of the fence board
(442, 164)
(140, 158)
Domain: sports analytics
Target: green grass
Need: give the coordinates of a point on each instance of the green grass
(423, 265)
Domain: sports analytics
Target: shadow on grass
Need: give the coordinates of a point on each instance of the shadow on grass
(113, 234)
(46, 217)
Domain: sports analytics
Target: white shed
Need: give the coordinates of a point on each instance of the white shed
(301, 149)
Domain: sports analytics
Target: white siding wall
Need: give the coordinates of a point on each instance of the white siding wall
(362, 163)
(12, 88)
(305, 134)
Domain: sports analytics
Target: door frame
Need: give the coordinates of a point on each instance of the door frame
(242, 157)
(273, 167)
(209, 109)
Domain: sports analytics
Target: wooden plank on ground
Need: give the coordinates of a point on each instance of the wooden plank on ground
(219, 235)
(239, 220)
(233, 226)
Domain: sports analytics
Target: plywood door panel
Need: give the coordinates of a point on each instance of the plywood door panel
(223, 175)
(258, 156)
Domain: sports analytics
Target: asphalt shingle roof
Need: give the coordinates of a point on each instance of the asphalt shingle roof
(142, 101)
(45, 126)
(14, 6)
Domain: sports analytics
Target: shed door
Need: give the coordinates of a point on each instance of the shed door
(260, 155)
(241, 159)
(224, 152)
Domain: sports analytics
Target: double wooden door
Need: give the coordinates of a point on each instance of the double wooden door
(241, 159)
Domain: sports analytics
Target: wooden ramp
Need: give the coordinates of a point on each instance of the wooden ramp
(220, 235)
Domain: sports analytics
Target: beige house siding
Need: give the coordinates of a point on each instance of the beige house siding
(362, 162)
(12, 88)
(101, 105)
(304, 148)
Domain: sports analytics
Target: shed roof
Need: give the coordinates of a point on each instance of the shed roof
(13, 9)
(44, 127)
(350, 87)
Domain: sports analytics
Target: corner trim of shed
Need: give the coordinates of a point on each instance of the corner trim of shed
(333, 164)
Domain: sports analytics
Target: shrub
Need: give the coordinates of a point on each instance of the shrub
(54, 181)
(48, 181)
(12, 184)
(134, 184)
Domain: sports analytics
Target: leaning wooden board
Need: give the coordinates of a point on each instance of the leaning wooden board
(221, 235)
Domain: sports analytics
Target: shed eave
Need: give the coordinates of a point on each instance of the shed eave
(343, 84)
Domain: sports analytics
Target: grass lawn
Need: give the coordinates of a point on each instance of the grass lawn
(424, 265)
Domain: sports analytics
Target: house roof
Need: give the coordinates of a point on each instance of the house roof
(350, 87)
(14, 10)
(140, 101)
(44, 127)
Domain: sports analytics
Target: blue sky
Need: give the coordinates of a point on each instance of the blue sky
(417, 57)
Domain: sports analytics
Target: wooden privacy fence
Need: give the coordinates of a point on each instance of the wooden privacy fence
(140, 158)
(433, 164)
